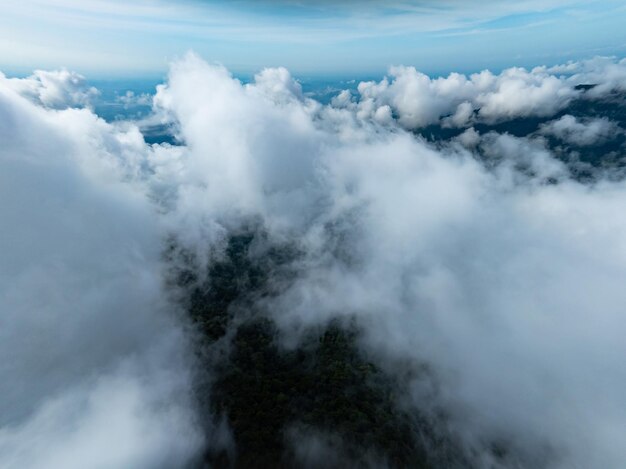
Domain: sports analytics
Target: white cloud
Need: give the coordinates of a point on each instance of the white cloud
(469, 138)
(459, 100)
(57, 89)
(585, 133)
(130, 99)
(510, 287)
(607, 73)
(278, 84)
(94, 370)
(501, 273)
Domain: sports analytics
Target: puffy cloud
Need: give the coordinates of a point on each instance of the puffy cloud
(518, 93)
(95, 371)
(130, 99)
(420, 100)
(479, 257)
(57, 89)
(247, 145)
(458, 100)
(606, 73)
(277, 83)
(469, 138)
(573, 131)
(497, 270)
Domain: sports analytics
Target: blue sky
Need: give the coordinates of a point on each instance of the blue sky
(115, 38)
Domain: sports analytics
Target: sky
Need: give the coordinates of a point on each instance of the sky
(116, 38)
(472, 226)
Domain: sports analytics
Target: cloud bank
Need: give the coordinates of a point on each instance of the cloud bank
(478, 255)
(570, 130)
(460, 101)
(95, 369)
(57, 89)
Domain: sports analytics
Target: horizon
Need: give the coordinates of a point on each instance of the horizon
(312, 234)
(315, 39)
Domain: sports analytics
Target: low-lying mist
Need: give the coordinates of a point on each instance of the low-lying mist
(436, 265)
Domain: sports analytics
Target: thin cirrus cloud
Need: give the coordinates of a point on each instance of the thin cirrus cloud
(321, 37)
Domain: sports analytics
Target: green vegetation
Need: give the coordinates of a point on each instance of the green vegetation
(324, 386)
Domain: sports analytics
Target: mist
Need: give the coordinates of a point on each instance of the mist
(483, 257)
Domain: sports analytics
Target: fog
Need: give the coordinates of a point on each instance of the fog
(480, 256)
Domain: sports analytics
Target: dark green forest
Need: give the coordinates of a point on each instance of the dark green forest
(320, 404)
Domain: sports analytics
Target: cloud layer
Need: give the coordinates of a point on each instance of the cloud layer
(57, 89)
(459, 100)
(508, 286)
(95, 369)
(479, 255)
